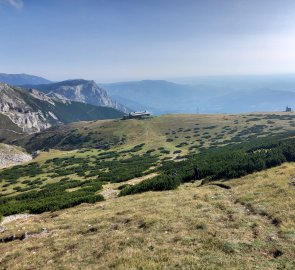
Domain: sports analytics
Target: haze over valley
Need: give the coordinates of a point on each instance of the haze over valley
(222, 94)
(145, 135)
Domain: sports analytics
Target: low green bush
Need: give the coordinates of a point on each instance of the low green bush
(177, 152)
(158, 183)
(234, 161)
(52, 197)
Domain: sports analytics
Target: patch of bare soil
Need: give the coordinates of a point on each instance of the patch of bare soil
(110, 191)
(8, 219)
(140, 179)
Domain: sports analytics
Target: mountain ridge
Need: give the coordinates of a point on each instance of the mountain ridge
(22, 78)
(163, 97)
(34, 111)
(80, 90)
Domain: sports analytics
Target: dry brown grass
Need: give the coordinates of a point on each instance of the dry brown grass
(189, 228)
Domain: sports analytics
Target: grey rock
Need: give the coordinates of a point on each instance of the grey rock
(85, 91)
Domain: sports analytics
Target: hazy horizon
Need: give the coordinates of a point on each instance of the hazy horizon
(111, 41)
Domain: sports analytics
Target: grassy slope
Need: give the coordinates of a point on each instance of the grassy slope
(187, 228)
(154, 133)
(6, 123)
(48, 171)
(78, 111)
(190, 228)
(170, 131)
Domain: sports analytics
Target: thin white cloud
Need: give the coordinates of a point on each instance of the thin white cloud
(18, 4)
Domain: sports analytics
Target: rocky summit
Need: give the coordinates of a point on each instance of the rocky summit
(85, 91)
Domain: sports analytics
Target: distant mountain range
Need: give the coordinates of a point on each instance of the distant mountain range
(32, 110)
(20, 79)
(227, 94)
(208, 96)
(157, 96)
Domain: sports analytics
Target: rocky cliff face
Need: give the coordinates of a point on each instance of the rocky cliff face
(11, 155)
(34, 111)
(23, 108)
(81, 91)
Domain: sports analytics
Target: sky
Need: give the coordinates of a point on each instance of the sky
(120, 40)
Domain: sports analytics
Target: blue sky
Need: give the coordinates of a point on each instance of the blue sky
(115, 40)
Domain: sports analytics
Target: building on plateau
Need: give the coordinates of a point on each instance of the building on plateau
(288, 109)
(137, 115)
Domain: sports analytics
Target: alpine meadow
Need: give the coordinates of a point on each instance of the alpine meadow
(154, 134)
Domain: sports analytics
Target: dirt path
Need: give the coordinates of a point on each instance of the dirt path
(11, 218)
(13, 131)
(8, 219)
(263, 225)
(272, 223)
(110, 191)
(140, 179)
